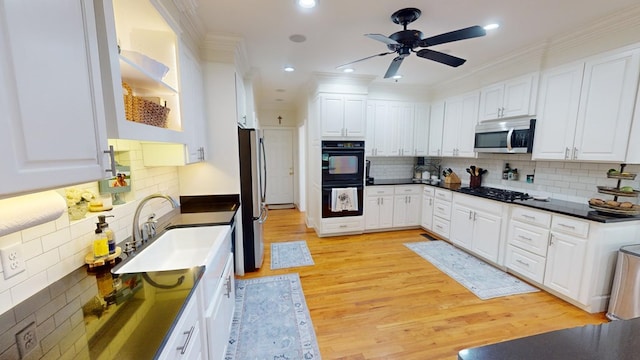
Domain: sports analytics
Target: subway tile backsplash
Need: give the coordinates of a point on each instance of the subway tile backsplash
(569, 181)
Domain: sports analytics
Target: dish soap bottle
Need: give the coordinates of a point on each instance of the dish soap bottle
(111, 239)
(506, 171)
(100, 243)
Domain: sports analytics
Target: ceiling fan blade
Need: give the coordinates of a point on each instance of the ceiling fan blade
(462, 34)
(441, 57)
(368, 57)
(394, 66)
(382, 38)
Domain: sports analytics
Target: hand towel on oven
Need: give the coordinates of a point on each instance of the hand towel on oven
(344, 199)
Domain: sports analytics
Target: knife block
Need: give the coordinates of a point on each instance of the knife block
(452, 179)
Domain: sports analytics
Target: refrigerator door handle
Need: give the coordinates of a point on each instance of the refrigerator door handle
(263, 196)
(264, 211)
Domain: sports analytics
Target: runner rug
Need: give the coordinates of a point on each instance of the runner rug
(290, 254)
(482, 279)
(271, 321)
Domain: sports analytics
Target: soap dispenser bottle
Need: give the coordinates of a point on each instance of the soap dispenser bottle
(100, 243)
(111, 239)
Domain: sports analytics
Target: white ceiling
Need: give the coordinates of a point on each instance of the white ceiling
(335, 29)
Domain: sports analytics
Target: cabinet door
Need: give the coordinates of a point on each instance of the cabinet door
(382, 129)
(386, 211)
(421, 130)
(372, 212)
(427, 212)
(332, 115)
(405, 131)
(468, 122)
(486, 235)
(517, 96)
(436, 125)
(565, 259)
(193, 112)
(369, 147)
(241, 100)
(53, 122)
(606, 107)
(355, 107)
(491, 102)
(400, 210)
(451, 128)
(219, 322)
(557, 112)
(633, 151)
(413, 212)
(462, 226)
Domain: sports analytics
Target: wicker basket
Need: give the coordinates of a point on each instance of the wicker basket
(142, 110)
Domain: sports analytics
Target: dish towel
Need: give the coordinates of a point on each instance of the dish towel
(344, 199)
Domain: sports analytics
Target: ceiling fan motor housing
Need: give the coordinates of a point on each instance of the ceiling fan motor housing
(407, 38)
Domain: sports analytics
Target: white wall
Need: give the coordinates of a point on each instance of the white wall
(220, 173)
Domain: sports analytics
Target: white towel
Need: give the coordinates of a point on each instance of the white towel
(344, 199)
(21, 212)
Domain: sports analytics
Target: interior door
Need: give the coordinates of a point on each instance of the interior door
(278, 144)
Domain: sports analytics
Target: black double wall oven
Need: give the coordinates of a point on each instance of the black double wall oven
(342, 171)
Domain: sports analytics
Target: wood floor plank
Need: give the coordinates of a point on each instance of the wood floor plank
(370, 297)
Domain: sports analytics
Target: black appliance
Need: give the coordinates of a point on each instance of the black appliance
(509, 136)
(369, 179)
(495, 194)
(343, 167)
(253, 187)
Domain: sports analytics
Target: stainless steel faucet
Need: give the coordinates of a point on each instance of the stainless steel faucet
(136, 237)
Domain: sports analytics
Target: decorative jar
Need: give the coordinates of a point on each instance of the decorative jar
(78, 210)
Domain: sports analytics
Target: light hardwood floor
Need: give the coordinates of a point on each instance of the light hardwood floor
(370, 297)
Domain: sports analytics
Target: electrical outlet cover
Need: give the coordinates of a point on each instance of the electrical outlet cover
(27, 340)
(12, 260)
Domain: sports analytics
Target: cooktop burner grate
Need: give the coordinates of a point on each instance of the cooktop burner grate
(496, 194)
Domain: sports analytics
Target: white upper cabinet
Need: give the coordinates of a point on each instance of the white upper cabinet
(53, 120)
(436, 124)
(379, 139)
(586, 115)
(241, 101)
(460, 120)
(515, 97)
(633, 151)
(193, 106)
(147, 62)
(401, 117)
(421, 130)
(343, 115)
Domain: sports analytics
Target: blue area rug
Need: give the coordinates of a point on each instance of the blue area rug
(482, 279)
(271, 321)
(290, 254)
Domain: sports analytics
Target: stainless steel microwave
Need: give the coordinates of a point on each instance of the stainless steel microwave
(510, 136)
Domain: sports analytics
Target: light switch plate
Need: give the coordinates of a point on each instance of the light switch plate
(12, 260)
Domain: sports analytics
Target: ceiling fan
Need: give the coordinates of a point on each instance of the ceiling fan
(406, 41)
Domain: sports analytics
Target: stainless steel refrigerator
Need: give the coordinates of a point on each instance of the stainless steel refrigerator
(253, 187)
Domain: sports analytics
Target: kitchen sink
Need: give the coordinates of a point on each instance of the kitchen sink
(175, 249)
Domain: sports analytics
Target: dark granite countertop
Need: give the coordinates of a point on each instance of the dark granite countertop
(616, 340)
(568, 208)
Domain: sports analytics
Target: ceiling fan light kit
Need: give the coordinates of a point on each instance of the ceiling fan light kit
(405, 41)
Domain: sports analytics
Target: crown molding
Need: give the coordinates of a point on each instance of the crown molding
(223, 48)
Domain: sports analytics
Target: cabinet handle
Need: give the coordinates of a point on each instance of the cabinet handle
(525, 238)
(228, 285)
(566, 153)
(522, 262)
(409, 197)
(575, 153)
(430, 202)
(439, 227)
(183, 348)
(343, 226)
(441, 209)
(470, 212)
(346, 132)
(112, 158)
(381, 201)
(551, 240)
(474, 215)
(567, 226)
(528, 217)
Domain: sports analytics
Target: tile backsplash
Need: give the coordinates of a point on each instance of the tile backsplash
(55, 249)
(570, 181)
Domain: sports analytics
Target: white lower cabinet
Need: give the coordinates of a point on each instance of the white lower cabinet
(476, 225)
(427, 208)
(185, 342)
(378, 211)
(442, 212)
(407, 205)
(565, 260)
(220, 313)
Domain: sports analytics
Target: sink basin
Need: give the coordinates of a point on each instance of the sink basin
(177, 248)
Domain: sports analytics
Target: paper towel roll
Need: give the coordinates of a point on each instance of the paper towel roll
(21, 212)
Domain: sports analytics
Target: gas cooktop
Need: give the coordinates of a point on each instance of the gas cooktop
(496, 194)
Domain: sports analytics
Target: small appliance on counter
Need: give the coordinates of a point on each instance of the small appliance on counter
(369, 179)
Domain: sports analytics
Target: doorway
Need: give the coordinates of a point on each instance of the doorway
(278, 145)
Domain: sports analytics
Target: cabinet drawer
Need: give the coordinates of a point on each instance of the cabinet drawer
(379, 190)
(441, 227)
(531, 216)
(429, 191)
(442, 209)
(528, 237)
(356, 224)
(408, 190)
(525, 263)
(443, 194)
(570, 226)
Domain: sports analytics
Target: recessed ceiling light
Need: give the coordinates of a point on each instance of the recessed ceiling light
(492, 26)
(348, 70)
(397, 77)
(307, 4)
(298, 38)
(289, 69)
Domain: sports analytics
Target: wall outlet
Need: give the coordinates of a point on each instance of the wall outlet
(12, 260)
(27, 340)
